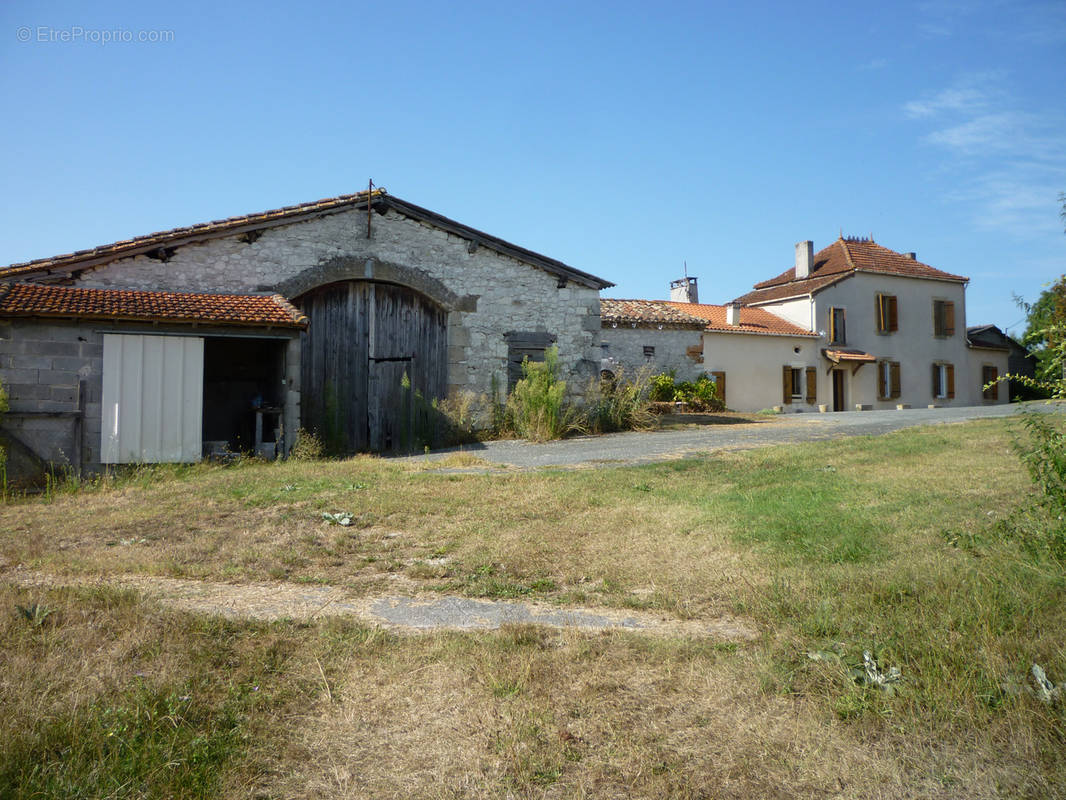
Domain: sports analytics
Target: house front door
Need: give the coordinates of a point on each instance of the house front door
(839, 403)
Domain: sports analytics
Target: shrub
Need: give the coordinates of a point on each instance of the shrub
(1044, 455)
(661, 388)
(536, 408)
(620, 404)
(700, 394)
(308, 446)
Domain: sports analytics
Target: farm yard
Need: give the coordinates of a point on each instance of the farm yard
(157, 638)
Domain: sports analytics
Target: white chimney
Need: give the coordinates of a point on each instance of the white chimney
(732, 314)
(804, 259)
(683, 290)
(912, 256)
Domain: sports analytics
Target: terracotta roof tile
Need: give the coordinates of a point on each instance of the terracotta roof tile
(38, 300)
(646, 312)
(842, 258)
(752, 320)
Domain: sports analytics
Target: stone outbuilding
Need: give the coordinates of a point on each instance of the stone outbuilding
(389, 307)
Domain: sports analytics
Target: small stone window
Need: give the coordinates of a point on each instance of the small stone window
(649, 351)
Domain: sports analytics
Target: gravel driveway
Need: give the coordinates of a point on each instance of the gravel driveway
(637, 448)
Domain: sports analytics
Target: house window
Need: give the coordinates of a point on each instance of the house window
(837, 333)
(792, 384)
(989, 374)
(649, 351)
(888, 380)
(943, 318)
(943, 381)
(887, 313)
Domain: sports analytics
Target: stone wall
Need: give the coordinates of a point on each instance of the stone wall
(485, 293)
(677, 350)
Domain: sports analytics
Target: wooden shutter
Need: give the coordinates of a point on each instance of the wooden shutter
(893, 313)
(936, 380)
(882, 388)
(882, 318)
(833, 326)
(949, 319)
(812, 384)
(786, 395)
(895, 379)
(950, 369)
(719, 385)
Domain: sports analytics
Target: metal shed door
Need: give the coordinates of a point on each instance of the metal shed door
(152, 399)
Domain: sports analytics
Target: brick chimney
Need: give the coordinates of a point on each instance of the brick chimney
(732, 314)
(804, 259)
(683, 290)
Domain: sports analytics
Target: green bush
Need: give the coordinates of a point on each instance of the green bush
(1044, 455)
(620, 404)
(661, 388)
(537, 408)
(699, 395)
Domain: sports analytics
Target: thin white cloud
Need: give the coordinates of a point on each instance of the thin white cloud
(956, 99)
(1011, 163)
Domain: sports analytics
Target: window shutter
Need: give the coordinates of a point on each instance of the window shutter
(896, 387)
(893, 314)
(936, 380)
(949, 319)
(882, 389)
(719, 385)
(786, 396)
(993, 374)
(950, 369)
(882, 320)
(812, 384)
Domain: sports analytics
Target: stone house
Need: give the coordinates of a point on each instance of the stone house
(390, 306)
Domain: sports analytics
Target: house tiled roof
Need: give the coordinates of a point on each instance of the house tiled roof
(38, 300)
(161, 241)
(843, 258)
(751, 320)
(646, 312)
(700, 316)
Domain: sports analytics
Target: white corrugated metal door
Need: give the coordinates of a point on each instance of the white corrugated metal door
(152, 399)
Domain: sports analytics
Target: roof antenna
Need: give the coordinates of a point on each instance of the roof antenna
(685, 264)
(369, 193)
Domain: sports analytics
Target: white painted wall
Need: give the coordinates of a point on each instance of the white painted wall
(914, 345)
(753, 366)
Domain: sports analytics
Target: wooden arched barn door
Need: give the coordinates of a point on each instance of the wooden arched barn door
(373, 359)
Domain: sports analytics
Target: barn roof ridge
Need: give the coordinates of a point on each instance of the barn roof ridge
(379, 199)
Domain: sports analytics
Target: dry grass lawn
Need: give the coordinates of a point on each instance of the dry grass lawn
(894, 545)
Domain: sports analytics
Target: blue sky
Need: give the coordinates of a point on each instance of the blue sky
(622, 138)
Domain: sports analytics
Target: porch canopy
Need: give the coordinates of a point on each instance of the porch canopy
(849, 355)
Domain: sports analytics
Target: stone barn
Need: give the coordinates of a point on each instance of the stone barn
(387, 306)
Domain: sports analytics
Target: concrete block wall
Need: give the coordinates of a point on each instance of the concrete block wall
(488, 293)
(674, 350)
(45, 368)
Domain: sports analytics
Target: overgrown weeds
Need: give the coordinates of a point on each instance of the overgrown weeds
(537, 407)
